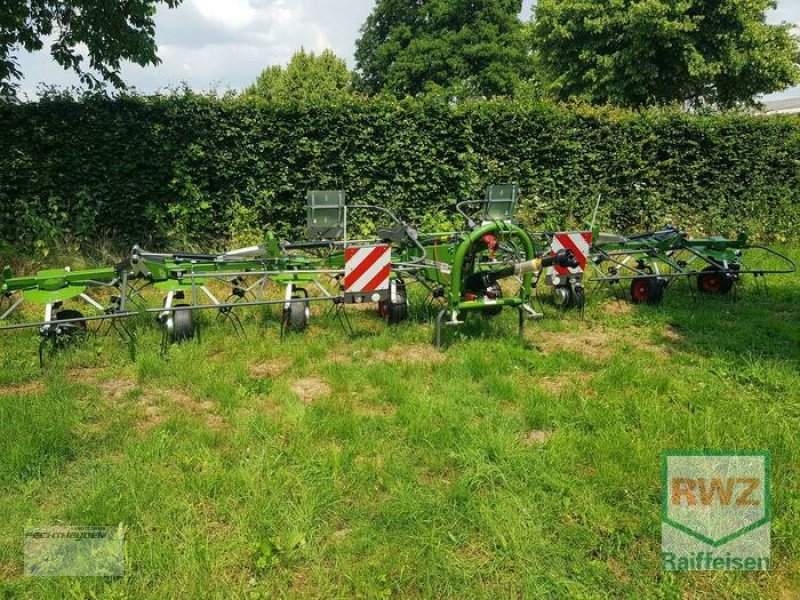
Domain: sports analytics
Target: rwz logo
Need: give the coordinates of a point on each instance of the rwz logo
(715, 510)
(703, 491)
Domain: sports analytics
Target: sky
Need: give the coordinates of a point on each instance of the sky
(225, 44)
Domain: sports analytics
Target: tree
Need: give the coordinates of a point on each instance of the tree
(110, 31)
(307, 78)
(642, 52)
(469, 47)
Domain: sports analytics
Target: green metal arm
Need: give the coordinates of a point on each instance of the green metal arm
(456, 280)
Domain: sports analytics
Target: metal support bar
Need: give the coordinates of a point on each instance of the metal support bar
(11, 309)
(92, 301)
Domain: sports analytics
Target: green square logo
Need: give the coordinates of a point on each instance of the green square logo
(715, 512)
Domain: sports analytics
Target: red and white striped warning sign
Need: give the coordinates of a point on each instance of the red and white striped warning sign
(367, 269)
(577, 241)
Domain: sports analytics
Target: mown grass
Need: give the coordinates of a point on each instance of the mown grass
(372, 466)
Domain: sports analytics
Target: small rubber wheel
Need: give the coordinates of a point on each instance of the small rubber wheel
(578, 297)
(492, 310)
(67, 333)
(561, 296)
(647, 290)
(566, 297)
(296, 316)
(394, 312)
(397, 311)
(182, 326)
(713, 281)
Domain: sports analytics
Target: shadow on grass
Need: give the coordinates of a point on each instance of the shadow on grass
(748, 324)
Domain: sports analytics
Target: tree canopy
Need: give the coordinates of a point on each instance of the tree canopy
(308, 77)
(642, 52)
(110, 31)
(469, 47)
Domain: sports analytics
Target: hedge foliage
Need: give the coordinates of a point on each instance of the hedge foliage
(186, 169)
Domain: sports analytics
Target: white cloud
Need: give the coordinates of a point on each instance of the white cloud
(231, 13)
(283, 15)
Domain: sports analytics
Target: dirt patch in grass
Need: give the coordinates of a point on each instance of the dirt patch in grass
(672, 335)
(340, 534)
(268, 369)
(537, 437)
(204, 408)
(346, 353)
(261, 405)
(399, 353)
(473, 553)
(217, 354)
(157, 405)
(85, 374)
(369, 460)
(215, 421)
(409, 353)
(114, 386)
(594, 343)
(11, 571)
(599, 343)
(555, 384)
(617, 308)
(153, 415)
(22, 389)
(310, 389)
(618, 570)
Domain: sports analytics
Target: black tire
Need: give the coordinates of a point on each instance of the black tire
(67, 333)
(296, 316)
(561, 296)
(395, 312)
(566, 296)
(647, 290)
(182, 325)
(68, 313)
(714, 282)
(577, 297)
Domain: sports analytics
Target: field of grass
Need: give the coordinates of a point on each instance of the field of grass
(373, 466)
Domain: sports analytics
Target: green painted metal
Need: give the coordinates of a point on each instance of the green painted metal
(456, 278)
(14, 284)
(289, 277)
(56, 285)
(44, 296)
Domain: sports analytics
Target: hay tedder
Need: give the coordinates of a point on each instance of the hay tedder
(327, 267)
(490, 264)
(648, 263)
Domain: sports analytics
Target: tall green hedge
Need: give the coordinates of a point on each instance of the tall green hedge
(180, 169)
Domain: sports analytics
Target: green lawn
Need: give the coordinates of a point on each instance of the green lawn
(373, 466)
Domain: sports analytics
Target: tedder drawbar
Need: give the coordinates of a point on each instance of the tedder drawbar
(466, 270)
